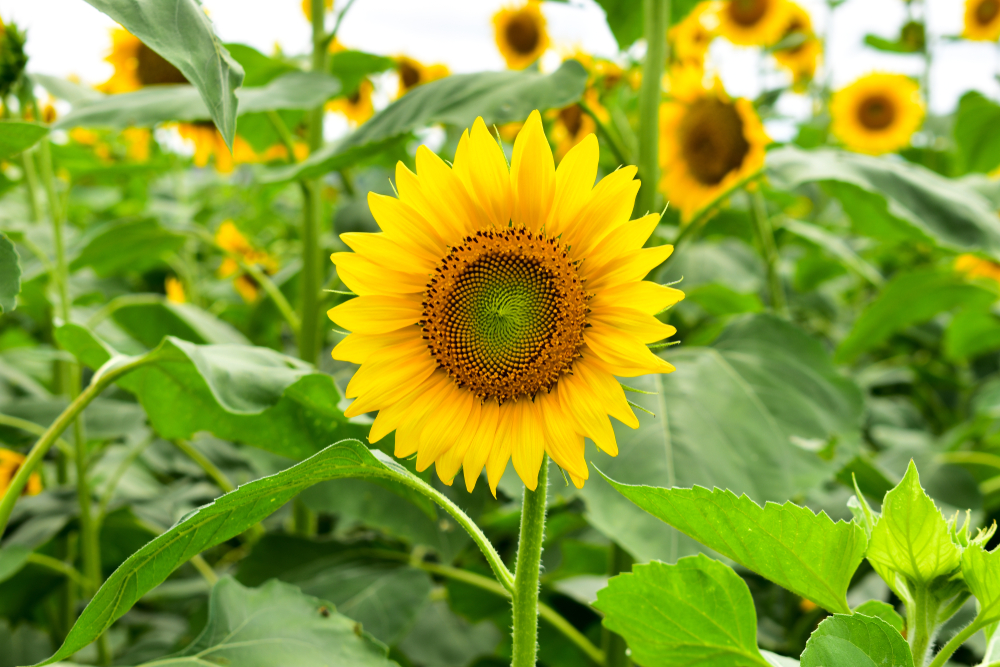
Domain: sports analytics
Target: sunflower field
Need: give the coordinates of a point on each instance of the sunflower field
(329, 357)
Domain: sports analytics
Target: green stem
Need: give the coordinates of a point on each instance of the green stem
(59, 566)
(109, 490)
(657, 16)
(287, 139)
(205, 464)
(769, 251)
(621, 153)
(34, 429)
(949, 649)
(31, 185)
(529, 556)
(614, 645)
(921, 625)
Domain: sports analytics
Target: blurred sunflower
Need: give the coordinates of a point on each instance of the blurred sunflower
(708, 142)
(800, 60)
(175, 290)
(307, 8)
(413, 73)
(498, 305)
(982, 20)
(521, 34)
(753, 22)
(136, 65)
(877, 114)
(10, 463)
(357, 107)
(572, 124)
(230, 239)
(692, 36)
(974, 267)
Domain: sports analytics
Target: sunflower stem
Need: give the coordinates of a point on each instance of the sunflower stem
(769, 250)
(657, 17)
(529, 556)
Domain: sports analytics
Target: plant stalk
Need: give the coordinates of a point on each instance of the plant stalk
(657, 17)
(921, 622)
(529, 556)
(769, 251)
(954, 643)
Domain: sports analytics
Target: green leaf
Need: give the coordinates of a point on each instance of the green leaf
(258, 68)
(779, 660)
(351, 67)
(13, 557)
(150, 323)
(247, 394)
(890, 45)
(971, 332)
(126, 247)
(276, 624)
(856, 641)
(16, 136)
(442, 638)
(697, 612)
(73, 92)
(977, 137)
(10, 274)
(720, 300)
(804, 552)
(221, 520)
(499, 97)
(911, 537)
(893, 200)
(909, 298)
(181, 32)
(751, 413)
(625, 19)
(981, 571)
(883, 610)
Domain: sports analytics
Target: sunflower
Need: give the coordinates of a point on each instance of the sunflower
(10, 463)
(877, 114)
(413, 73)
(708, 142)
(136, 65)
(175, 290)
(800, 60)
(230, 239)
(498, 305)
(521, 34)
(357, 106)
(692, 36)
(137, 143)
(974, 267)
(753, 22)
(307, 8)
(982, 20)
(572, 124)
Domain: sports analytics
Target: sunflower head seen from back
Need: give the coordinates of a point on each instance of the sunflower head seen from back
(497, 306)
(877, 114)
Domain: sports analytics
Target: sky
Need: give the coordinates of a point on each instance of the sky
(70, 37)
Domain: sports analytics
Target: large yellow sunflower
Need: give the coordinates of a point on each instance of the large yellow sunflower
(753, 22)
(877, 114)
(10, 463)
(497, 306)
(708, 142)
(692, 36)
(801, 60)
(413, 73)
(136, 65)
(982, 20)
(356, 107)
(521, 34)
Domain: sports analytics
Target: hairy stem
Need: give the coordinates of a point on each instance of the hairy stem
(657, 16)
(949, 649)
(529, 556)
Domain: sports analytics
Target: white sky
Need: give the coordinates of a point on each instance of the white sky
(71, 37)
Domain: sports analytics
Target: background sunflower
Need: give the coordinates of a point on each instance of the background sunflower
(877, 114)
(982, 20)
(753, 22)
(521, 34)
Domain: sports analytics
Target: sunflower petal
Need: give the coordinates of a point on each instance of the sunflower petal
(609, 207)
(643, 326)
(532, 175)
(442, 431)
(402, 223)
(449, 464)
(644, 296)
(481, 444)
(629, 237)
(381, 249)
(574, 181)
(365, 277)
(528, 443)
(562, 443)
(584, 407)
(609, 391)
(490, 179)
(630, 267)
(376, 314)
(507, 427)
(625, 353)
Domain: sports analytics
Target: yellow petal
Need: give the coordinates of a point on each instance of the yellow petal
(448, 465)
(630, 267)
(608, 390)
(496, 464)
(377, 314)
(381, 249)
(532, 175)
(389, 418)
(609, 207)
(357, 348)
(482, 443)
(527, 442)
(390, 384)
(626, 354)
(365, 277)
(644, 296)
(422, 410)
(490, 179)
(629, 237)
(577, 481)
(442, 431)
(462, 166)
(588, 414)
(562, 442)
(642, 326)
(573, 183)
(403, 224)
(411, 350)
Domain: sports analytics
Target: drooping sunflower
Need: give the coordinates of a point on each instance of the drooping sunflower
(356, 107)
(753, 22)
(692, 36)
(877, 114)
(10, 463)
(801, 60)
(497, 306)
(229, 238)
(136, 65)
(413, 73)
(982, 20)
(708, 141)
(521, 34)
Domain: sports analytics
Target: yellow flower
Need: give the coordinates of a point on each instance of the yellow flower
(692, 36)
(877, 114)
(413, 73)
(521, 34)
(974, 267)
(982, 20)
(174, 290)
(708, 142)
(572, 124)
(208, 143)
(137, 140)
(10, 463)
(800, 60)
(136, 65)
(753, 22)
(230, 239)
(357, 107)
(497, 306)
(308, 10)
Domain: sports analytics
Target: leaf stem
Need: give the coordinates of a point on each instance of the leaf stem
(942, 657)
(616, 146)
(529, 556)
(657, 16)
(205, 464)
(34, 429)
(769, 250)
(921, 617)
(59, 566)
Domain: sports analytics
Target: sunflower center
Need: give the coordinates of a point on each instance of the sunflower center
(712, 141)
(504, 314)
(572, 118)
(522, 33)
(876, 112)
(987, 11)
(153, 69)
(747, 12)
(409, 75)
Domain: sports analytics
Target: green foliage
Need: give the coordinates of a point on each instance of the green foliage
(977, 137)
(10, 275)
(16, 137)
(856, 641)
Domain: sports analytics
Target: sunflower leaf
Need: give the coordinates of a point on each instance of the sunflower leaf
(10, 275)
(856, 641)
(16, 136)
(181, 32)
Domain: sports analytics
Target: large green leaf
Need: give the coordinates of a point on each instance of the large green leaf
(499, 97)
(752, 413)
(223, 519)
(893, 200)
(181, 32)
(16, 136)
(351, 67)
(697, 612)
(276, 624)
(125, 247)
(977, 133)
(856, 641)
(909, 298)
(247, 394)
(149, 322)
(259, 69)
(806, 553)
(972, 332)
(10, 274)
